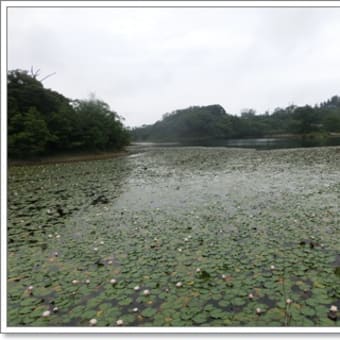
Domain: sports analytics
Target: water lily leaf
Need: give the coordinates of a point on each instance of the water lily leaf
(125, 302)
(200, 318)
(149, 312)
(217, 314)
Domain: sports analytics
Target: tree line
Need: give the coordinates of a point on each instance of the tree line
(200, 122)
(42, 121)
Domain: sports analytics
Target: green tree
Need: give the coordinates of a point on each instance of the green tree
(331, 121)
(98, 127)
(30, 136)
(42, 121)
(307, 118)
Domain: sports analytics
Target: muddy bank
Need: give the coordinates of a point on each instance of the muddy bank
(67, 158)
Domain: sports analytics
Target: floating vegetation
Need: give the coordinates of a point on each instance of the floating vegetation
(204, 237)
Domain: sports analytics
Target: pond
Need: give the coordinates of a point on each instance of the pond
(177, 236)
(258, 143)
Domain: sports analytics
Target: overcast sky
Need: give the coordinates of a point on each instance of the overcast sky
(145, 62)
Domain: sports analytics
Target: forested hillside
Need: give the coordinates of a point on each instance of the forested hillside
(213, 122)
(42, 121)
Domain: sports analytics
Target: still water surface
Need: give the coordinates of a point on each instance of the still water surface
(256, 143)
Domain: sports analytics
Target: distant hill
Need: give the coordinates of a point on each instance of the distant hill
(212, 122)
(194, 122)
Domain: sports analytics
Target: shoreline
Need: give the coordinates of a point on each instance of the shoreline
(67, 158)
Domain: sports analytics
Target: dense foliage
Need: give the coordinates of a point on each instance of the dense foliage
(213, 122)
(42, 121)
(193, 122)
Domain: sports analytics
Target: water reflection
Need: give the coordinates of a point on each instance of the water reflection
(253, 143)
(268, 143)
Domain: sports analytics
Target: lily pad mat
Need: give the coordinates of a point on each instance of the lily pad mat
(225, 223)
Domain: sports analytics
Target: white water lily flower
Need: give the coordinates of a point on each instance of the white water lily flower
(46, 313)
(58, 236)
(258, 310)
(179, 249)
(198, 270)
(146, 292)
(289, 301)
(223, 276)
(75, 282)
(93, 322)
(95, 249)
(186, 239)
(50, 235)
(251, 296)
(272, 267)
(55, 309)
(56, 254)
(136, 288)
(135, 310)
(101, 242)
(120, 322)
(30, 288)
(113, 281)
(179, 284)
(333, 309)
(109, 262)
(87, 281)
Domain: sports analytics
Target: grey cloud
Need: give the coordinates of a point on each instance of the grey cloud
(145, 62)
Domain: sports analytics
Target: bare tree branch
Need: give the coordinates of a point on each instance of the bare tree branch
(36, 73)
(49, 75)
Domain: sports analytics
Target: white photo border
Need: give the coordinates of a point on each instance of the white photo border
(4, 63)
